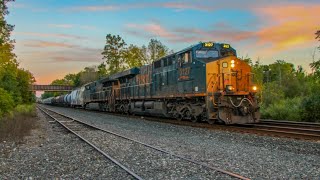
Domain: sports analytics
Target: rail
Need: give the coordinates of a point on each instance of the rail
(155, 148)
(89, 143)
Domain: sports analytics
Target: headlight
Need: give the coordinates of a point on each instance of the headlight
(254, 88)
(229, 88)
(232, 63)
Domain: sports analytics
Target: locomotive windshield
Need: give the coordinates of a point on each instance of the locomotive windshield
(207, 54)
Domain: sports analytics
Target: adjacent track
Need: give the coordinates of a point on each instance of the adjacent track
(302, 129)
(71, 121)
(286, 129)
(67, 125)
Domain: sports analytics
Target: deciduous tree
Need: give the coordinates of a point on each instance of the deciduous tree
(114, 52)
(156, 50)
(134, 56)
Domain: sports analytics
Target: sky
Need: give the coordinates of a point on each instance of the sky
(57, 37)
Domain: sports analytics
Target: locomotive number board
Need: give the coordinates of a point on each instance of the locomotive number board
(226, 46)
(208, 44)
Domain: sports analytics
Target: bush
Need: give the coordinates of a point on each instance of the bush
(310, 108)
(22, 121)
(6, 102)
(26, 109)
(284, 109)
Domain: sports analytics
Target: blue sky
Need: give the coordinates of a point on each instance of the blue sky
(54, 38)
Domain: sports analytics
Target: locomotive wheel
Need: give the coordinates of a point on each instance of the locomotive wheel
(194, 119)
(211, 121)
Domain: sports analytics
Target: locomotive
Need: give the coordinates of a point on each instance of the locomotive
(204, 82)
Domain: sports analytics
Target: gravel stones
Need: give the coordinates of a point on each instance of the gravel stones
(54, 153)
(249, 155)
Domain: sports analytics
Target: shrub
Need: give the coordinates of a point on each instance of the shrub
(284, 109)
(310, 108)
(26, 109)
(22, 121)
(6, 102)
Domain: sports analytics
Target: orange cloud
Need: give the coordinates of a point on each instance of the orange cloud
(288, 26)
(283, 27)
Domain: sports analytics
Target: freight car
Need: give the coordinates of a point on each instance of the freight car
(204, 82)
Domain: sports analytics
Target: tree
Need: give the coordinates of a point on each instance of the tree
(156, 50)
(102, 70)
(315, 65)
(114, 52)
(134, 56)
(25, 78)
(6, 28)
(6, 102)
(14, 80)
(88, 75)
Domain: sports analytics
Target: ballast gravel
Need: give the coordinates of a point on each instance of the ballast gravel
(149, 163)
(252, 156)
(50, 152)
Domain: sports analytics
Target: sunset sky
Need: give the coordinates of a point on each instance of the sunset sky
(57, 37)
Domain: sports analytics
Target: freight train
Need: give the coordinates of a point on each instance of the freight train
(204, 82)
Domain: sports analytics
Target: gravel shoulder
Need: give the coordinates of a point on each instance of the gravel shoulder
(50, 152)
(252, 156)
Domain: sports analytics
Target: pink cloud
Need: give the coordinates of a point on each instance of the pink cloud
(67, 26)
(96, 8)
(53, 35)
(178, 6)
(191, 35)
(45, 44)
(153, 29)
(283, 27)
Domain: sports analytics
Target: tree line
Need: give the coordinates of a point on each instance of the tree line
(288, 91)
(14, 81)
(117, 56)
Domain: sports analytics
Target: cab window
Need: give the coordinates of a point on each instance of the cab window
(187, 57)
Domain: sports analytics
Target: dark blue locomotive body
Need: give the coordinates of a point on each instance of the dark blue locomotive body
(205, 82)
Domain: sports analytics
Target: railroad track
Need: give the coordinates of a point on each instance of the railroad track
(302, 129)
(77, 127)
(274, 128)
(74, 127)
(307, 125)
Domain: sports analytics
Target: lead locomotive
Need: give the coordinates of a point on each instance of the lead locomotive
(205, 82)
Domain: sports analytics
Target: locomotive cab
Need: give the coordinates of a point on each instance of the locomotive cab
(230, 93)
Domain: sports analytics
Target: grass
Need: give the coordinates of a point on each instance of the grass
(19, 124)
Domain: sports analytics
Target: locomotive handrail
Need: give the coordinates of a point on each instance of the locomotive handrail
(240, 102)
